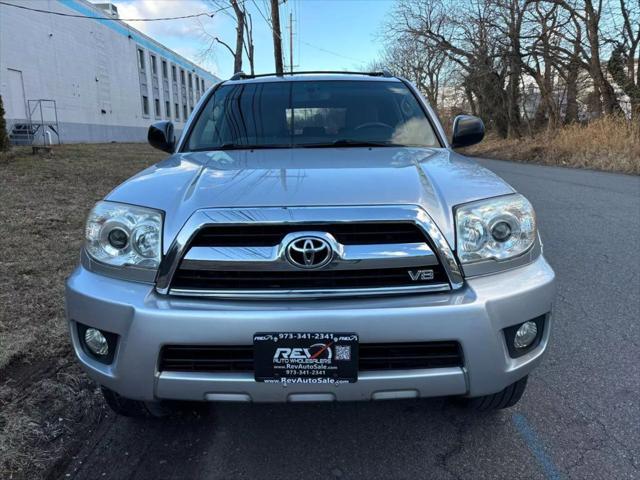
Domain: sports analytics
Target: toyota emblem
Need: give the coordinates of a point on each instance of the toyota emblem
(309, 252)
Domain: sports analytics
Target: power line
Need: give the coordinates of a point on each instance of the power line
(62, 14)
(264, 16)
(214, 3)
(330, 52)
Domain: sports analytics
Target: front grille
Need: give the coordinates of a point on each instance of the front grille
(289, 280)
(344, 233)
(383, 257)
(372, 357)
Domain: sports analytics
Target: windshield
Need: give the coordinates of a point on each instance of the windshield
(311, 114)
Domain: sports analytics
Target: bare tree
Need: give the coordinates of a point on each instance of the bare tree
(244, 34)
(465, 32)
(418, 63)
(623, 65)
(523, 65)
(589, 14)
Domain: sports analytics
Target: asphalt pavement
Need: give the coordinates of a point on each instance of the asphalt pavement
(579, 418)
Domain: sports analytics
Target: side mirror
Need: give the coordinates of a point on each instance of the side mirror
(161, 136)
(467, 130)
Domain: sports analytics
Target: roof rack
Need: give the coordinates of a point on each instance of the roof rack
(244, 76)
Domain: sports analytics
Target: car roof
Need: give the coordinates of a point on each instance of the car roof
(241, 78)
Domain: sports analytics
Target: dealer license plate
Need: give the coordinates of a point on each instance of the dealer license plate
(306, 357)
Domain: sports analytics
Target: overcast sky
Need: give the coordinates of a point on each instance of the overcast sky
(328, 34)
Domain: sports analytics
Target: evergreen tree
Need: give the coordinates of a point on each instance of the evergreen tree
(4, 139)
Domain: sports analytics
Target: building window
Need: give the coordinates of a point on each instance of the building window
(182, 77)
(145, 105)
(190, 82)
(202, 81)
(141, 59)
(173, 73)
(167, 110)
(184, 112)
(165, 73)
(157, 107)
(154, 66)
(176, 111)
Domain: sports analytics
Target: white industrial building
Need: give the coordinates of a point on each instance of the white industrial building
(88, 80)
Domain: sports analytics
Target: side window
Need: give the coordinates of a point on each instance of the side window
(142, 78)
(154, 65)
(145, 105)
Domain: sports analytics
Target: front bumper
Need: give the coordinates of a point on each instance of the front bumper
(474, 315)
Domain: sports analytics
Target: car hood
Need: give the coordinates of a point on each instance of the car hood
(434, 178)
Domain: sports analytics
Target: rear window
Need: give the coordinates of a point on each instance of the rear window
(311, 114)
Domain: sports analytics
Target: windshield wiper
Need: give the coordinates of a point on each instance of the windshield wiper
(347, 142)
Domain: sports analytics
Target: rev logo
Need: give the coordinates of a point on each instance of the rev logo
(421, 275)
(315, 351)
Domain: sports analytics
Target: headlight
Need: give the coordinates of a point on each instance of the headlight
(497, 228)
(124, 235)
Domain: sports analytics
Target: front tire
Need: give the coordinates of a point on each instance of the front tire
(504, 399)
(134, 408)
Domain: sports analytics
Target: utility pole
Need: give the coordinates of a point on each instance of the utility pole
(291, 42)
(277, 38)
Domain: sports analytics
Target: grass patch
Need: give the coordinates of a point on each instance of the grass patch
(44, 201)
(608, 144)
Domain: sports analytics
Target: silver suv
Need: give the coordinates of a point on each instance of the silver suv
(312, 237)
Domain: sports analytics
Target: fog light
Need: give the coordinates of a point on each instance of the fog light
(96, 341)
(525, 335)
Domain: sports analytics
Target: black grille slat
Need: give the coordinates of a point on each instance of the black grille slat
(372, 357)
(345, 233)
(404, 356)
(198, 358)
(241, 280)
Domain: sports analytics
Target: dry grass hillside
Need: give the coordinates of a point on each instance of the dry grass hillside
(46, 403)
(609, 144)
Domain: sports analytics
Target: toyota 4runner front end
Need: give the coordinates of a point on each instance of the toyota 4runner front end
(311, 238)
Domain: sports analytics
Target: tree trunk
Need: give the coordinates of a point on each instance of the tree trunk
(515, 72)
(571, 112)
(237, 57)
(248, 43)
(609, 102)
(277, 38)
(573, 71)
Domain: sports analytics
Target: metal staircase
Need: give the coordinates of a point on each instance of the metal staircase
(37, 130)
